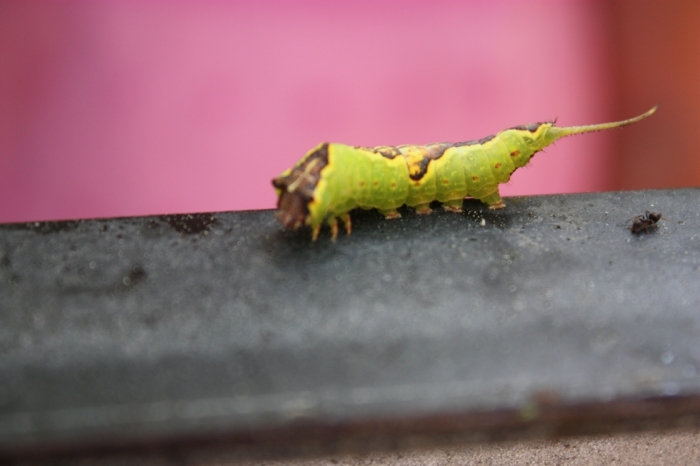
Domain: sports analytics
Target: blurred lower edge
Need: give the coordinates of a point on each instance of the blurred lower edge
(545, 418)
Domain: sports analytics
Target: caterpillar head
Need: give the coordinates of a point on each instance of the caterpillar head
(536, 135)
(292, 206)
(296, 187)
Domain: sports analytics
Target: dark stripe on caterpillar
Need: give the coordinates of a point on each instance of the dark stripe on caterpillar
(532, 127)
(475, 141)
(385, 151)
(422, 169)
(419, 156)
(297, 187)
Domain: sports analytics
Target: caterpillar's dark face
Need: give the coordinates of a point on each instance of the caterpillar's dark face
(296, 187)
(292, 207)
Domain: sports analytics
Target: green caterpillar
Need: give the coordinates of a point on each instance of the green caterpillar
(332, 179)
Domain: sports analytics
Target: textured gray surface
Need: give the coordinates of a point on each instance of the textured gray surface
(129, 330)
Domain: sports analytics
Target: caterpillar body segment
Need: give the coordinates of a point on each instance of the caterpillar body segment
(332, 179)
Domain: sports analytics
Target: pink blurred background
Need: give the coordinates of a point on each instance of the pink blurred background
(135, 108)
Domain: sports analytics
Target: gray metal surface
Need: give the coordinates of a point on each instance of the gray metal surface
(546, 318)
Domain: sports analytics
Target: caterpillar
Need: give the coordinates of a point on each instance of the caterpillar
(332, 179)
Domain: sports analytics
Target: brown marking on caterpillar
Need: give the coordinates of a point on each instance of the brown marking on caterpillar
(389, 152)
(362, 184)
(474, 142)
(445, 181)
(418, 170)
(436, 149)
(418, 158)
(515, 153)
(393, 184)
(497, 166)
(297, 188)
(376, 183)
(532, 127)
(475, 178)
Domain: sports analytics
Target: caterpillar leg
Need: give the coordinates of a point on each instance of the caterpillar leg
(423, 209)
(314, 232)
(346, 221)
(333, 223)
(494, 201)
(390, 214)
(453, 206)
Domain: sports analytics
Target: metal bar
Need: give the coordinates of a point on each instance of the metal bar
(224, 331)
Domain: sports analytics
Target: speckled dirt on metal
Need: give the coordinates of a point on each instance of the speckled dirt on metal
(546, 318)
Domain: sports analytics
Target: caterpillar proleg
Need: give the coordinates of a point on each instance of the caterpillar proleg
(332, 179)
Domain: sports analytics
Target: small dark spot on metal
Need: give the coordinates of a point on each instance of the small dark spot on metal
(190, 224)
(150, 321)
(136, 275)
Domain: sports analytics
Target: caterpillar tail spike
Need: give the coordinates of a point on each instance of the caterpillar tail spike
(332, 179)
(555, 132)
